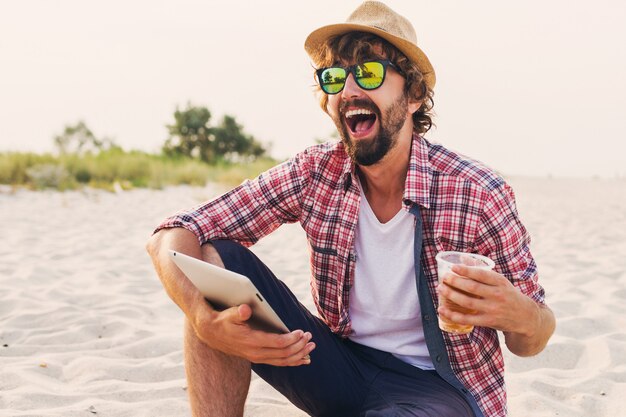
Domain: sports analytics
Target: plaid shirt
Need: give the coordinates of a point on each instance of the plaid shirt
(464, 206)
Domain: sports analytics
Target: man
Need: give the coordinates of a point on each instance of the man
(376, 209)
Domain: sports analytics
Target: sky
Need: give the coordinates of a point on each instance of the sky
(532, 88)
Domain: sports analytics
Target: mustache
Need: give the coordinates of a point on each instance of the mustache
(361, 103)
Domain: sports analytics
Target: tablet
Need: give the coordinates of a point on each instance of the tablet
(224, 289)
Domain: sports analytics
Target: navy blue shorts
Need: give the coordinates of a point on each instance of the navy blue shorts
(344, 378)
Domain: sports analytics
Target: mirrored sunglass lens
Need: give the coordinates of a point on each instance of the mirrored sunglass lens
(332, 80)
(369, 75)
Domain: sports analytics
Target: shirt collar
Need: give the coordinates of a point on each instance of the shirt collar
(418, 178)
(419, 175)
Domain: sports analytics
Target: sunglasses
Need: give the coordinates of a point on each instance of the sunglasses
(368, 75)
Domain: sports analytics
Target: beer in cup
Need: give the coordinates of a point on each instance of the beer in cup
(445, 261)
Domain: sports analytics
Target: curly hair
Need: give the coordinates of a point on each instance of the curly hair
(360, 46)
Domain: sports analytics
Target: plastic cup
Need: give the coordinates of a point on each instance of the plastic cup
(445, 261)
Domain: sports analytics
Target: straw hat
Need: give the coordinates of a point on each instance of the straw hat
(375, 17)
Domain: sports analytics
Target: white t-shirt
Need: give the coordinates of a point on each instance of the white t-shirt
(384, 306)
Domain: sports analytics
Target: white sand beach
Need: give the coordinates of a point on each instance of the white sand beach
(86, 329)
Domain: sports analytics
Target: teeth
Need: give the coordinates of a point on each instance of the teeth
(352, 113)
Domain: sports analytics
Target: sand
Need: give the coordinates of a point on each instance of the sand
(86, 329)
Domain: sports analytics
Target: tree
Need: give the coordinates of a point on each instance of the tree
(80, 139)
(231, 142)
(192, 136)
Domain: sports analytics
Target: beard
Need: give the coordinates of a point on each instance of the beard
(368, 152)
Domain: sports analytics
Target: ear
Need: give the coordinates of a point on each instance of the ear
(414, 106)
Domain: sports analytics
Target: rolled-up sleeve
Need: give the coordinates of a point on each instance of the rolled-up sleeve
(502, 236)
(253, 209)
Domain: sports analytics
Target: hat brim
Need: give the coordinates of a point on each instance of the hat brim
(316, 40)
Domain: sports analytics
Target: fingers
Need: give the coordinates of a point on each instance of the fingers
(466, 293)
(297, 360)
(453, 284)
(479, 282)
(295, 354)
(491, 298)
(237, 338)
(245, 312)
(486, 276)
(238, 315)
(456, 317)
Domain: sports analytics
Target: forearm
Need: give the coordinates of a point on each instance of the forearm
(176, 284)
(535, 332)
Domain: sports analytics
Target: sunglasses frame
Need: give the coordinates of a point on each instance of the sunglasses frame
(352, 70)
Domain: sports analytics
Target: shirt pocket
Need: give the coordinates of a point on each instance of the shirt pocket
(324, 251)
(326, 267)
(325, 264)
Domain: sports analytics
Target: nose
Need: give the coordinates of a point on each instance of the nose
(351, 89)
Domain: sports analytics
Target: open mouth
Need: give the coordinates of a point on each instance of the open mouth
(360, 121)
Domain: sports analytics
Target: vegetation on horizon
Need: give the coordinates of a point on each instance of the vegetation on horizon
(195, 153)
(191, 135)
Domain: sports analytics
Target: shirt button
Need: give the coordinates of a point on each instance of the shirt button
(427, 317)
(438, 358)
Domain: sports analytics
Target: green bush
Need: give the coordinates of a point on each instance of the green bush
(49, 176)
(14, 166)
(129, 169)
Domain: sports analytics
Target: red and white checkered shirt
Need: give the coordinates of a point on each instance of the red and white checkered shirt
(465, 207)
